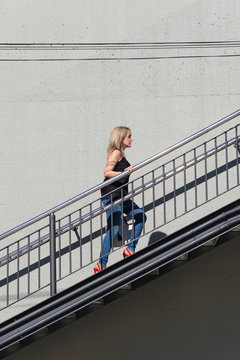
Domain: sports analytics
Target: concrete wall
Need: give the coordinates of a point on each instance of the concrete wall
(56, 117)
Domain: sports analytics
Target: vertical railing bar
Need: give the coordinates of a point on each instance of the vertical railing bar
(216, 166)
(91, 238)
(59, 250)
(7, 275)
(80, 236)
(227, 172)
(185, 182)
(39, 260)
(205, 163)
(237, 154)
(195, 177)
(143, 204)
(70, 244)
(164, 196)
(28, 265)
(111, 246)
(174, 189)
(53, 282)
(133, 223)
(154, 205)
(122, 216)
(18, 266)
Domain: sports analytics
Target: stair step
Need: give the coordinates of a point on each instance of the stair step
(99, 301)
(237, 228)
(211, 242)
(154, 272)
(126, 287)
(71, 316)
(182, 257)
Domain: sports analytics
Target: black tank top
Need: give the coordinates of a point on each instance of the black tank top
(116, 186)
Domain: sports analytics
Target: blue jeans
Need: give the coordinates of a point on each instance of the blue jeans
(113, 224)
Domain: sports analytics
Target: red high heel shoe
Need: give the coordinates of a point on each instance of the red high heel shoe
(127, 253)
(98, 268)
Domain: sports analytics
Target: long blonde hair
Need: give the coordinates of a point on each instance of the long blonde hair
(116, 139)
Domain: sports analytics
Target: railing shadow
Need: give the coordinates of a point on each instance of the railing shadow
(155, 236)
(192, 184)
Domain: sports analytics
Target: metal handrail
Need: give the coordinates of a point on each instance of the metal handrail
(120, 176)
(98, 211)
(78, 297)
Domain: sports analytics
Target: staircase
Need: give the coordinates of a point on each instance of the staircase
(190, 194)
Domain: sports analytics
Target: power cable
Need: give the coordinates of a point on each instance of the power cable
(117, 46)
(122, 58)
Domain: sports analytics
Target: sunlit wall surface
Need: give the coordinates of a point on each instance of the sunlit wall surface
(59, 103)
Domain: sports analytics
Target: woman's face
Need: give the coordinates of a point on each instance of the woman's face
(127, 141)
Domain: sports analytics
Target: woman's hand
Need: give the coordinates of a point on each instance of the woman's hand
(129, 168)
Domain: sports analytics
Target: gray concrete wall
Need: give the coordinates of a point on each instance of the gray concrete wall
(56, 117)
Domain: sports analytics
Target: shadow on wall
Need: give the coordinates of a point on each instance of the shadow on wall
(191, 185)
(156, 236)
(124, 235)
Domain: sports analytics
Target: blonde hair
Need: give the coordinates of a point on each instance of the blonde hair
(116, 139)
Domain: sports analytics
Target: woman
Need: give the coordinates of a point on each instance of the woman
(120, 139)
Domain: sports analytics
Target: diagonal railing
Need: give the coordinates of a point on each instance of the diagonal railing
(50, 253)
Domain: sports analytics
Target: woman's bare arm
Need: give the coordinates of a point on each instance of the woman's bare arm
(112, 160)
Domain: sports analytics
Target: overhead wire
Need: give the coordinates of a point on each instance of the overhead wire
(122, 58)
(118, 46)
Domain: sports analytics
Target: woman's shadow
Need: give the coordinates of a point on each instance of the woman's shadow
(124, 234)
(156, 236)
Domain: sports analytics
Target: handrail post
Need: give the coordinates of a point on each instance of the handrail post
(53, 277)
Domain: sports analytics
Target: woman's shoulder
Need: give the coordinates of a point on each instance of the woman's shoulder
(115, 155)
